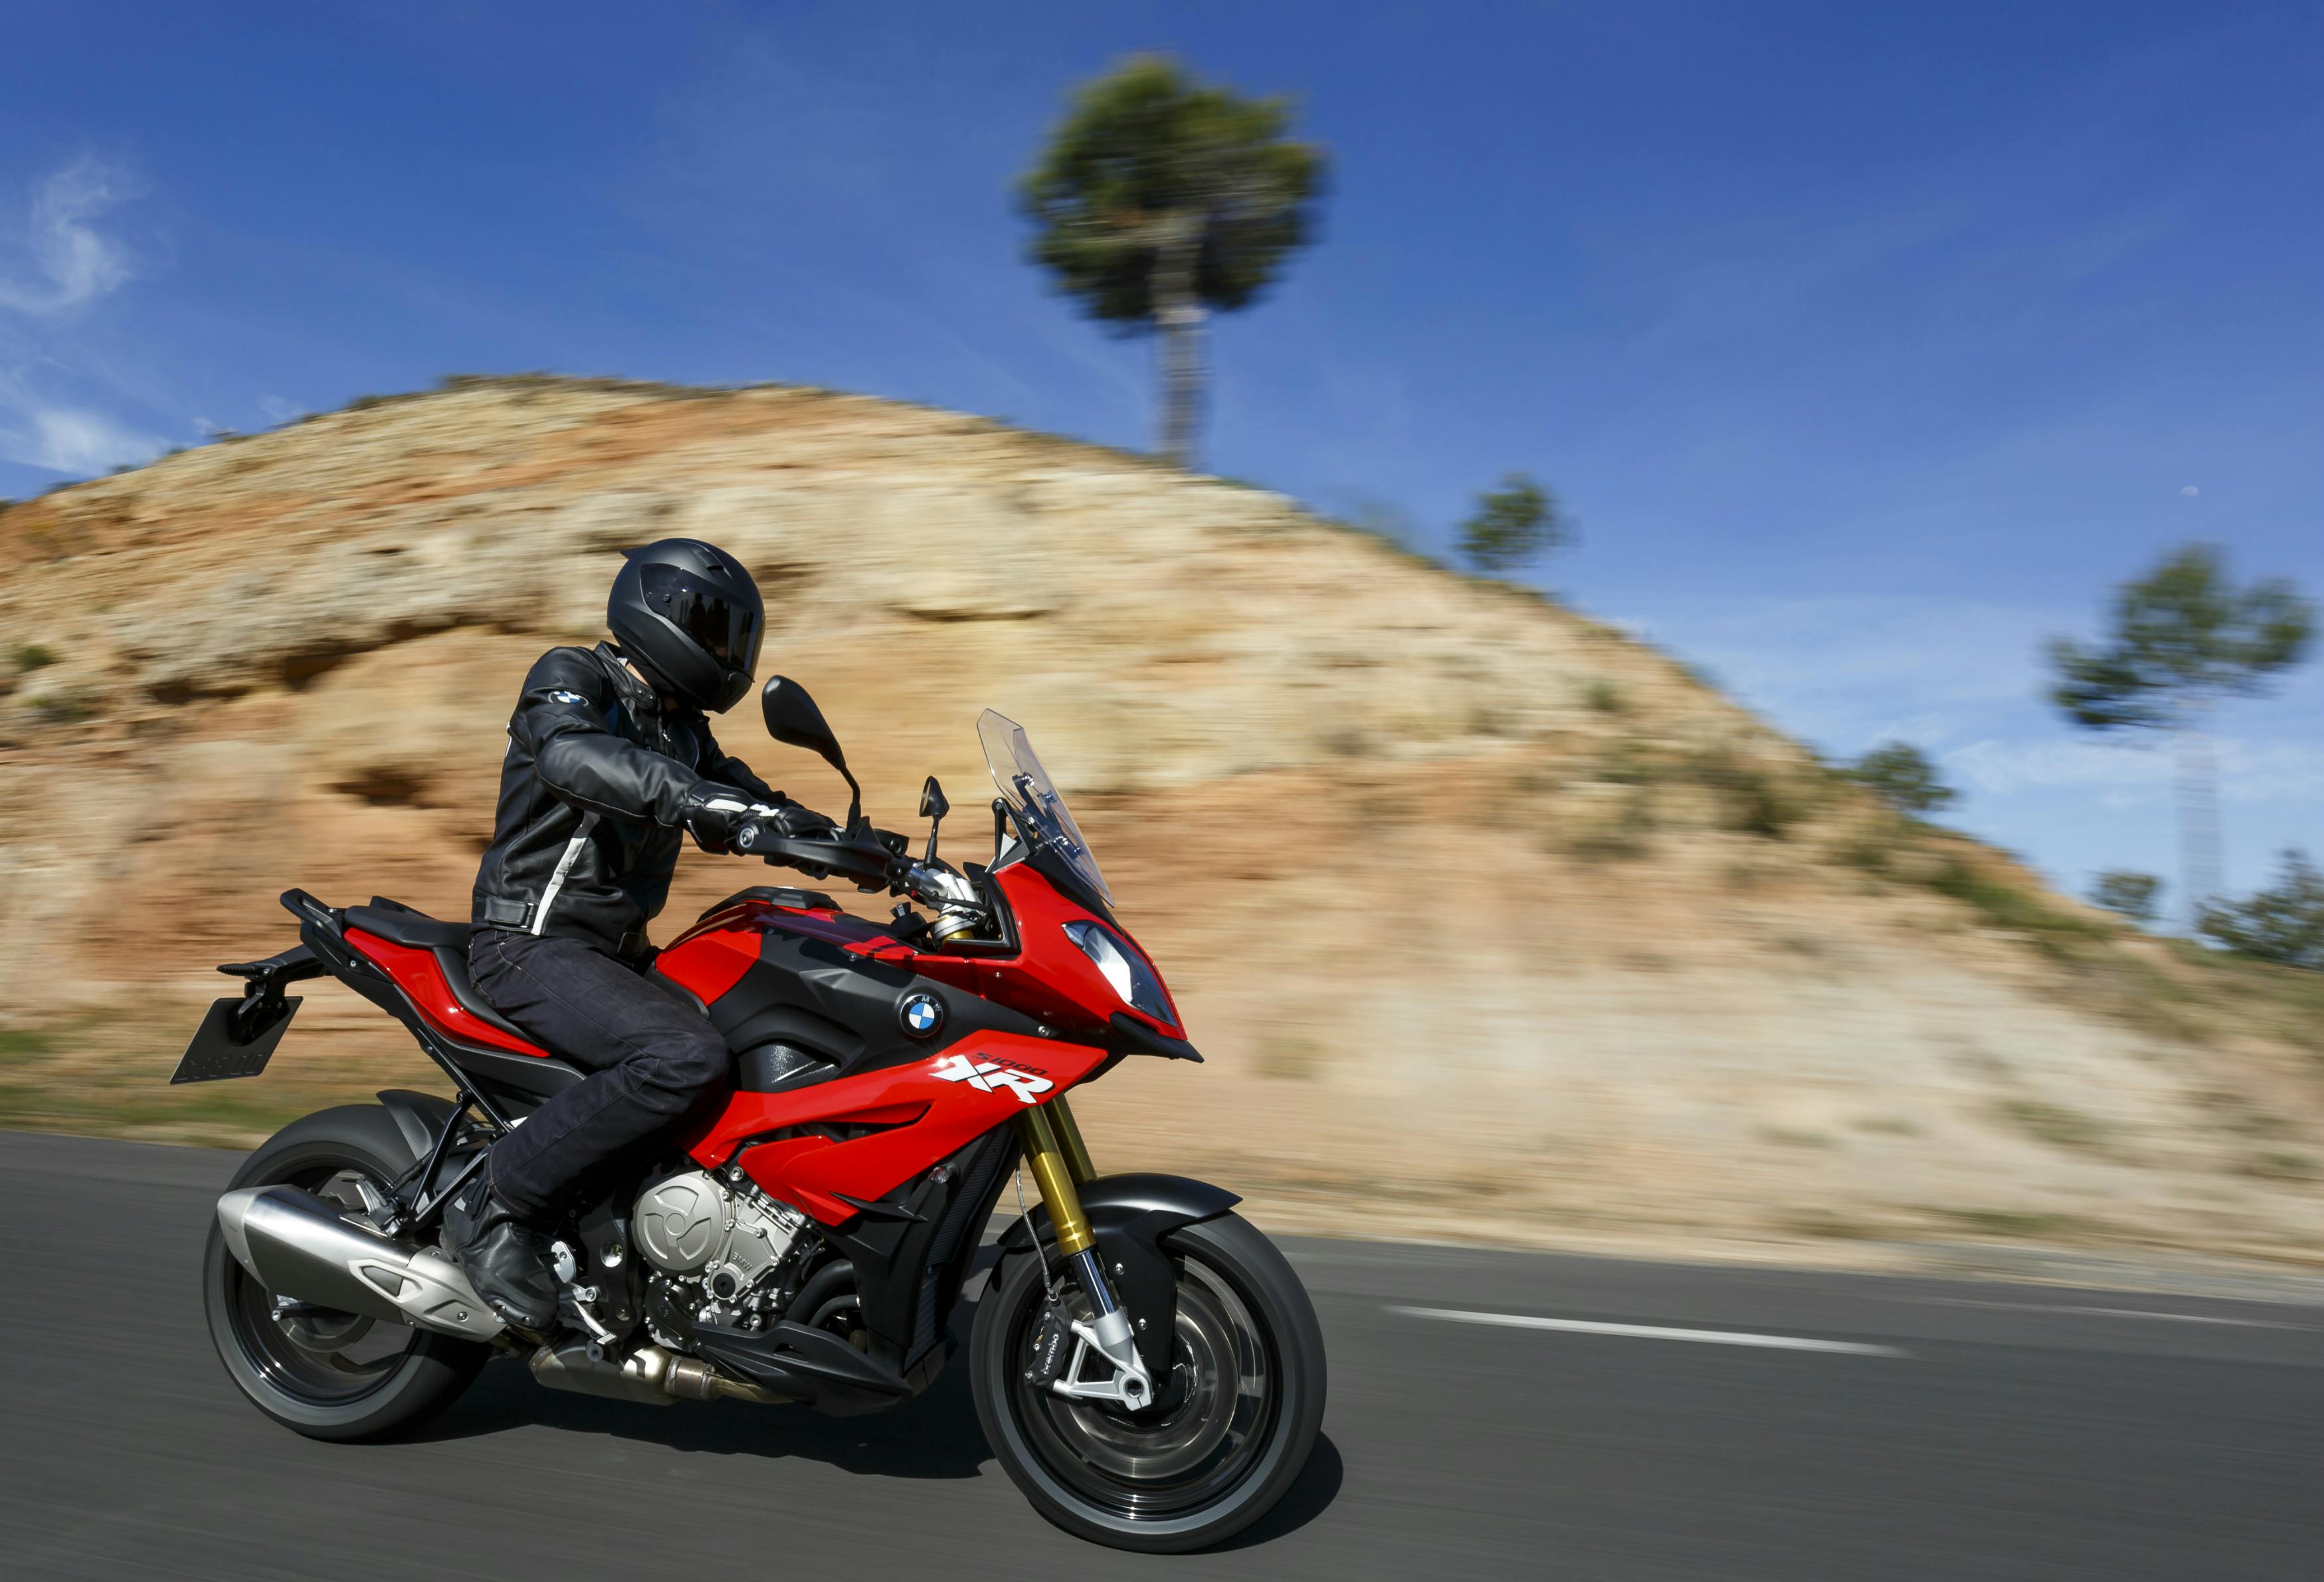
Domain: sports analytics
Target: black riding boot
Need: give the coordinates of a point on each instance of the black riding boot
(504, 1255)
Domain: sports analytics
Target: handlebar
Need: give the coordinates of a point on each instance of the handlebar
(863, 859)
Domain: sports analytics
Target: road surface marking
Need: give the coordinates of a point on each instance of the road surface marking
(2108, 1312)
(1652, 1332)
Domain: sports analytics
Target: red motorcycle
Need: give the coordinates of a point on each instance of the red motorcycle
(1145, 1364)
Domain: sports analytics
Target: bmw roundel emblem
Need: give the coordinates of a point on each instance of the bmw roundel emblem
(921, 1014)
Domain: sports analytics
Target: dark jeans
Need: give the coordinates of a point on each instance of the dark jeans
(651, 1056)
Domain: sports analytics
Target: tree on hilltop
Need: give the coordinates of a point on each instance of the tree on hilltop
(2126, 894)
(1902, 775)
(1517, 522)
(2284, 923)
(1159, 199)
(2183, 640)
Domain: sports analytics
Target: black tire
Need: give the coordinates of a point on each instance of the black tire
(1226, 1455)
(298, 1370)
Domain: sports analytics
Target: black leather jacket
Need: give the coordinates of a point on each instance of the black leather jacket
(592, 797)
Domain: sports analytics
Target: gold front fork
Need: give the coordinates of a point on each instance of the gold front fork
(1069, 1134)
(1060, 1163)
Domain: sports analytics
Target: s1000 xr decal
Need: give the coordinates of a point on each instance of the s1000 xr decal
(990, 1077)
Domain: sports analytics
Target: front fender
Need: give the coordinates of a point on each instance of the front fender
(1129, 1215)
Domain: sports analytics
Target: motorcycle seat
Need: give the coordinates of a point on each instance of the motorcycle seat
(403, 926)
(454, 964)
(448, 942)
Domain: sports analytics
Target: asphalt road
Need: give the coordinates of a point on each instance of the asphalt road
(1657, 1421)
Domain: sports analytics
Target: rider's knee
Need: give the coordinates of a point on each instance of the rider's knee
(693, 1067)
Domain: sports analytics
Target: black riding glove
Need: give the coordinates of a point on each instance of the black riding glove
(791, 821)
(713, 812)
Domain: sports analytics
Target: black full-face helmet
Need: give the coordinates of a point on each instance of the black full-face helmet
(689, 616)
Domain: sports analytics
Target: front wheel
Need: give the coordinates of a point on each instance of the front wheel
(1180, 1476)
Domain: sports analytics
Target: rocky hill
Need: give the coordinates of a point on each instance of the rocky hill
(1494, 922)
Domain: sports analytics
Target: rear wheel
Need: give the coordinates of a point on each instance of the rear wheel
(1236, 1424)
(329, 1375)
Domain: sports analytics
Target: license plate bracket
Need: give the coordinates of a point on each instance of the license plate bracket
(218, 1053)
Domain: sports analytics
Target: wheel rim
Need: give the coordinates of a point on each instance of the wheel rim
(315, 1355)
(1165, 1462)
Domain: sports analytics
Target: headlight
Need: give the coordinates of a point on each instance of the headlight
(1131, 978)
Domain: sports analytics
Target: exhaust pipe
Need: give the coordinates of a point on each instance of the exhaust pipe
(296, 1245)
(650, 1374)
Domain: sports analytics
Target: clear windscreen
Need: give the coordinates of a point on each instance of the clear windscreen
(1033, 796)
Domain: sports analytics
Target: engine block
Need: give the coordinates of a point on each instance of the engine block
(730, 1237)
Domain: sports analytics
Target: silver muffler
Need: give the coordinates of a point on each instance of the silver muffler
(297, 1244)
(651, 1375)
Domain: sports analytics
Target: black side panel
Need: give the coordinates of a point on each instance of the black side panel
(1130, 1216)
(985, 1167)
(844, 1009)
(909, 1270)
(775, 1016)
(780, 1068)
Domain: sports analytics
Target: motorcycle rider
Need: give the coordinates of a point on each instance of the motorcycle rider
(609, 757)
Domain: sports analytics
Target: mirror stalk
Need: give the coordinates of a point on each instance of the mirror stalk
(855, 799)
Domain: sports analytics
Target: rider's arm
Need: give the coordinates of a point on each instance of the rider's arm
(728, 771)
(562, 720)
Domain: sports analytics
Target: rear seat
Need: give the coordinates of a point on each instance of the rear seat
(447, 941)
(399, 924)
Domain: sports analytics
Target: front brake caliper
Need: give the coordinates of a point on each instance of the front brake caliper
(1052, 1340)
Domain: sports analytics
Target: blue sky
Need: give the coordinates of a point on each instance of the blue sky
(1868, 345)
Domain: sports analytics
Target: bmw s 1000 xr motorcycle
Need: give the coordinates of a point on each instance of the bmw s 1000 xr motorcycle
(1145, 1364)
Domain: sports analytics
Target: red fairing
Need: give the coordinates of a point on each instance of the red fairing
(935, 1106)
(1050, 968)
(710, 959)
(416, 973)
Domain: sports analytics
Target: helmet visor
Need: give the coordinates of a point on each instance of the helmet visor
(725, 628)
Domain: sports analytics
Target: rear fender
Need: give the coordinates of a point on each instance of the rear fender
(1129, 1215)
(420, 1116)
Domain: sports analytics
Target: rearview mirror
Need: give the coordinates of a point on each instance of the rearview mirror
(933, 807)
(793, 720)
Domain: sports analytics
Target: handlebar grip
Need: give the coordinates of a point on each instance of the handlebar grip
(844, 858)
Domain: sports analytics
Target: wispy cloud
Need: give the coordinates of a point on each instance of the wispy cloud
(53, 267)
(62, 261)
(62, 439)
